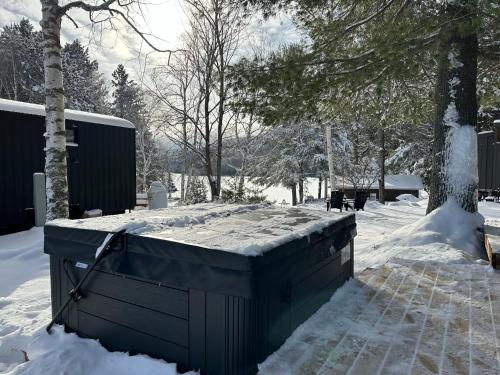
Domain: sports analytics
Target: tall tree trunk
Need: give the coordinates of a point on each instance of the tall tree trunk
(326, 187)
(331, 159)
(241, 182)
(294, 194)
(454, 165)
(208, 154)
(191, 164)
(184, 156)
(219, 160)
(220, 126)
(382, 153)
(320, 180)
(55, 133)
(301, 190)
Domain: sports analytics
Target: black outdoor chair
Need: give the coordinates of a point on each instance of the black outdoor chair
(336, 200)
(360, 200)
(496, 194)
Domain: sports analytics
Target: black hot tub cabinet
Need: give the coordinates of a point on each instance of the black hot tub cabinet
(210, 287)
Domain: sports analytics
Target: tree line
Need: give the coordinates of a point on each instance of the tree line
(396, 64)
(85, 89)
(374, 88)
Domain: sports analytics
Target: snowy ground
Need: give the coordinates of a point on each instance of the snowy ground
(25, 292)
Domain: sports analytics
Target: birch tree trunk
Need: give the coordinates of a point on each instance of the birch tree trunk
(55, 133)
(454, 164)
(331, 160)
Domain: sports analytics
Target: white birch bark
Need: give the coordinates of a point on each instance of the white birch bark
(55, 133)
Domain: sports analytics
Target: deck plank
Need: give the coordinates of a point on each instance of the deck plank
(402, 318)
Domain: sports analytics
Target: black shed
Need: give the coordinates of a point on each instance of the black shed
(101, 162)
(489, 159)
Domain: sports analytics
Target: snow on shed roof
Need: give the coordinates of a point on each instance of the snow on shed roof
(401, 181)
(393, 182)
(70, 114)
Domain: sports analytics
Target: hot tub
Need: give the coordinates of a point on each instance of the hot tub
(210, 287)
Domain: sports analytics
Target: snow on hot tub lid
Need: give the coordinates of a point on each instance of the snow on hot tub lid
(243, 229)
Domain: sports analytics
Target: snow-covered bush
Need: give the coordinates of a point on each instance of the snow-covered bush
(238, 193)
(197, 192)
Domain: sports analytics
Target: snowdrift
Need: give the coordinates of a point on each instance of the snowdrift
(448, 234)
(60, 352)
(408, 198)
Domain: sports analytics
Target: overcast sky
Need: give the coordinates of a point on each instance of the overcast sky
(165, 19)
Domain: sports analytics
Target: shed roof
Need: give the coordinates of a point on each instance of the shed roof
(70, 114)
(393, 182)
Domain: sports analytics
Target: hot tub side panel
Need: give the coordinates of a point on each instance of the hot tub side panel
(306, 281)
(124, 314)
(195, 329)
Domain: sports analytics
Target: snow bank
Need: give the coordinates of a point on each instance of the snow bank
(62, 353)
(404, 203)
(408, 198)
(22, 259)
(448, 234)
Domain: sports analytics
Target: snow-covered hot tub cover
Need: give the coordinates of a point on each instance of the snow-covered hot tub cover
(242, 229)
(208, 246)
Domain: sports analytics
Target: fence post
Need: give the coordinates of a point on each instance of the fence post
(39, 198)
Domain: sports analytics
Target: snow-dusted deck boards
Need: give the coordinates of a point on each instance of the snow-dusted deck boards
(492, 242)
(401, 318)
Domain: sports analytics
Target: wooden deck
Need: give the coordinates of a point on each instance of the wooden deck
(492, 242)
(402, 318)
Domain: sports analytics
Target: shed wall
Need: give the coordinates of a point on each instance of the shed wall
(21, 154)
(101, 169)
(390, 194)
(489, 161)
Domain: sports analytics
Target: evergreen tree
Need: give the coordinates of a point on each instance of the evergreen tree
(197, 191)
(21, 71)
(129, 104)
(21, 63)
(358, 43)
(84, 87)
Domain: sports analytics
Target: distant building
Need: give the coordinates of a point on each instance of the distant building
(489, 158)
(395, 185)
